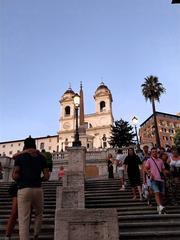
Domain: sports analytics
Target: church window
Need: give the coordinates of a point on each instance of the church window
(57, 148)
(104, 139)
(66, 143)
(102, 106)
(67, 110)
(41, 145)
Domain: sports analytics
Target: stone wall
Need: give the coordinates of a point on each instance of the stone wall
(7, 165)
(96, 164)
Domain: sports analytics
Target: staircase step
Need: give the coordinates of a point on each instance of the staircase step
(137, 220)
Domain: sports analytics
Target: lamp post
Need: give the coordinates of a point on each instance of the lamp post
(76, 99)
(135, 122)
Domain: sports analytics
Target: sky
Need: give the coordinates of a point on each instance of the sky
(45, 45)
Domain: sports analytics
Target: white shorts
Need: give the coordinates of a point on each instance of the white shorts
(120, 171)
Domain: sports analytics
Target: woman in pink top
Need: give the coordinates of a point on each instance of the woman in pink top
(155, 167)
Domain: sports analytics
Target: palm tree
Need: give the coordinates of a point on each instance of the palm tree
(152, 90)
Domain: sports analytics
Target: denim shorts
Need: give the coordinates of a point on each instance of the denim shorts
(157, 186)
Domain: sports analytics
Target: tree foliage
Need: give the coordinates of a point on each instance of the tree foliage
(152, 88)
(121, 134)
(48, 157)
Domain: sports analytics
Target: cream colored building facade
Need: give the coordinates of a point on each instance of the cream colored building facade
(95, 128)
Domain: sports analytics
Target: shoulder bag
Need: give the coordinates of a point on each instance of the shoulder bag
(161, 173)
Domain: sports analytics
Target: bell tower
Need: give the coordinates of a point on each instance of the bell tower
(103, 99)
(67, 110)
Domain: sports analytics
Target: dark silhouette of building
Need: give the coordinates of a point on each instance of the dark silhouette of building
(175, 1)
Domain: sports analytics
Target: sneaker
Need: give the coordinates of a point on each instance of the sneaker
(162, 210)
(122, 188)
(142, 197)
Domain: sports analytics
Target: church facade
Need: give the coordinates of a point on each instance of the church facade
(94, 129)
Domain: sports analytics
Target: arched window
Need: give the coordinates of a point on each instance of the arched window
(102, 106)
(66, 143)
(42, 145)
(67, 110)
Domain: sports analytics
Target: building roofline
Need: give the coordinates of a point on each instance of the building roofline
(22, 140)
(160, 113)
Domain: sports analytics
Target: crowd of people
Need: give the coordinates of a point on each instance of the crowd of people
(152, 174)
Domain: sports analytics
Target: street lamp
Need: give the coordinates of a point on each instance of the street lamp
(76, 99)
(135, 122)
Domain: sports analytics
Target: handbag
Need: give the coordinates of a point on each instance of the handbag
(161, 173)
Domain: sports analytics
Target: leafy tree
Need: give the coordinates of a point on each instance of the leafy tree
(177, 138)
(48, 157)
(121, 134)
(152, 90)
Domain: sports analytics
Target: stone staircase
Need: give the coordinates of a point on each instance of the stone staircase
(137, 220)
(47, 232)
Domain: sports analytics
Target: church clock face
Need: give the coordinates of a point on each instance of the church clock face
(66, 125)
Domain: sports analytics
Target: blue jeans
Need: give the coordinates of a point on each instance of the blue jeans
(158, 186)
